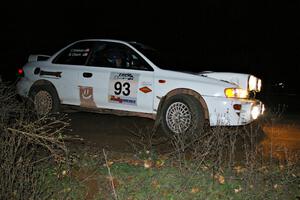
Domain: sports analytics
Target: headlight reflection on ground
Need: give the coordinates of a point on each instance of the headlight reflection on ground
(282, 142)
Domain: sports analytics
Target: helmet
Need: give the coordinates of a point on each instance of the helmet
(113, 55)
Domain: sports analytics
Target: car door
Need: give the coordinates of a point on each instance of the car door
(69, 63)
(127, 87)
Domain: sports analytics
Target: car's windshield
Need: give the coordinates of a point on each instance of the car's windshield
(161, 60)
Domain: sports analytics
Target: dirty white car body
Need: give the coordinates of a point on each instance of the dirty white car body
(138, 87)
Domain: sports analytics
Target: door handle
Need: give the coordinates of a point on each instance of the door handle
(87, 74)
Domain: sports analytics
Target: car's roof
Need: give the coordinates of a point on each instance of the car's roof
(105, 40)
(134, 43)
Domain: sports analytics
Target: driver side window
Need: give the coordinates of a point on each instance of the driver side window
(116, 55)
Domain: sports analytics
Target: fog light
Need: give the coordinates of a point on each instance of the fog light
(263, 109)
(255, 112)
(237, 106)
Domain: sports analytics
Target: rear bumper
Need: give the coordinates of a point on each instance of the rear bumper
(23, 86)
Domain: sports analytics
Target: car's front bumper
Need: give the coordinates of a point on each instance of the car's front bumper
(233, 112)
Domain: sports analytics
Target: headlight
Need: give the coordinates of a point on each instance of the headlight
(257, 110)
(236, 93)
(259, 85)
(254, 84)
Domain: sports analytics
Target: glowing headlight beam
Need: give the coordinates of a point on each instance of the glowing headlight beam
(255, 112)
(252, 83)
(259, 84)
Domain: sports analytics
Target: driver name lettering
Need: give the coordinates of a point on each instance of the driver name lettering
(79, 52)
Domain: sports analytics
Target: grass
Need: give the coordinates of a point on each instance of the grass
(63, 184)
(133, 178)
(168, 183)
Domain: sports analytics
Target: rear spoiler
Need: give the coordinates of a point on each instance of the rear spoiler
(33, 58)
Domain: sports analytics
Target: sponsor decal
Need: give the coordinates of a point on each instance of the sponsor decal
(122, 100)
(51, 74)
(146, 83)
(145, 89)
(123, 88)
(86, 97)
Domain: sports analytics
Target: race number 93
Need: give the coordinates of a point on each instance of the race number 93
(122, 88)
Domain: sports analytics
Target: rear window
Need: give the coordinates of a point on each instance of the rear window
(76, 54)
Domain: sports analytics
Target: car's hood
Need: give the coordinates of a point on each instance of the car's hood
(195, 77)
(219, 79)
(241, 80)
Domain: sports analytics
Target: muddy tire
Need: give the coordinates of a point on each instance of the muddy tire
(182, 114)
(44, 99)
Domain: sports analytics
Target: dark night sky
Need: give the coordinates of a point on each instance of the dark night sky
(245, 36)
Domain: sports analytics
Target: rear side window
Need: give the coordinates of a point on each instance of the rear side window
(76, 54)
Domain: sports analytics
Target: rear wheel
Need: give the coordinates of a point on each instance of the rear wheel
(182, 114)
(44, 99)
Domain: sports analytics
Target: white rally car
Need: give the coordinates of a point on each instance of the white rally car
(124, 78)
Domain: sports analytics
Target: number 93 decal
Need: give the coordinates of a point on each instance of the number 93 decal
(123, 88)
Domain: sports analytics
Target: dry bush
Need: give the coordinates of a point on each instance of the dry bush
(220, 147)
(212, 147)
(237, 149)
(27, 142)
(146, 142)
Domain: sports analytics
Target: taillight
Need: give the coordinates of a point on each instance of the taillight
(20, 72)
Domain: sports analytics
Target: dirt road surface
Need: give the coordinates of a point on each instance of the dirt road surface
(283, 137)
(108, 131)
(116, 133)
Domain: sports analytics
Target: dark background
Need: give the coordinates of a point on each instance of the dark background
(258, 37)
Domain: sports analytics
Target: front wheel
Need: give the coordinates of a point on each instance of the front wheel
(182, 114)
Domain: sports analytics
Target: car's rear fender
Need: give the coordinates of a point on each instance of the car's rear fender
(44, 83)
